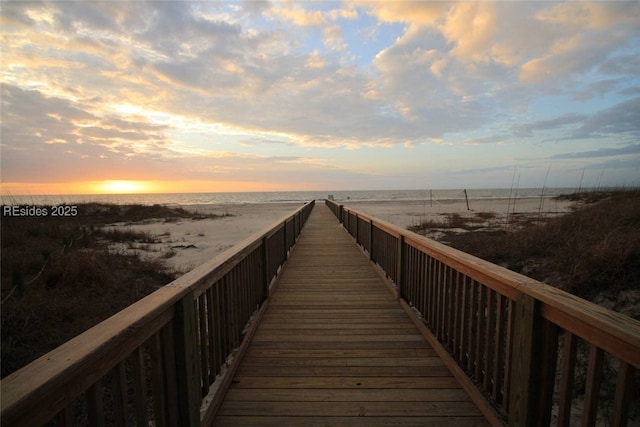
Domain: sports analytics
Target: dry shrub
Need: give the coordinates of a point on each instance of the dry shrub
(59, 279)
(596, 248)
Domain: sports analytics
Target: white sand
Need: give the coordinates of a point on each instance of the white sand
(185, 244)
(407, 213)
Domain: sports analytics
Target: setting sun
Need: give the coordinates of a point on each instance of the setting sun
(123, 187)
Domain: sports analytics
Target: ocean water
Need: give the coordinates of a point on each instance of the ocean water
(293, 197)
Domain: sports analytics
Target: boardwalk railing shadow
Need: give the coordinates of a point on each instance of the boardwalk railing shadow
(508, 337)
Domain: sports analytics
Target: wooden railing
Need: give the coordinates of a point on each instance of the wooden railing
(160, 360)
(528, 353)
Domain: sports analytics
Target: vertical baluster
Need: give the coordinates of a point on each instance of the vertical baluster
(464, 320)
(471, 326)
(594, 374)
(446, 304)
(243, 298)
(140, 387)
(95, 410)
(489, 333)
(211, 336)
(224, 319)
(451, 308)
(169, 365)
(157, 381)
(624, 383)
(64, 418)
(438, 300)
(547, 373)
(480, 324)
(119, 395)
(457, 310)
(499, 349)
(508, 356)
(432, 294)
(216, 328)
(423, 284)
(235, 306)
(399, 277)
(183, 365)
(202, 310)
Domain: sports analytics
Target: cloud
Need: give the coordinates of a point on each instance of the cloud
(37, 129)
(132, 80)
(413, 12)
(300, 16)
(622, 119)
(527, 129)
(602, 152)
(580, 36)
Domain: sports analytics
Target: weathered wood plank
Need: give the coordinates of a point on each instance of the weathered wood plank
(340, 371)
(350, 408)
(342, 395)
(343, 361)
(345, 382)
(234, 421)
(341, 352)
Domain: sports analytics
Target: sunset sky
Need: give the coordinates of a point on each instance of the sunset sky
(178, 96)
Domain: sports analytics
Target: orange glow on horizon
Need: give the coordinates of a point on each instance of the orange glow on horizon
(137, 187)
(123, 187)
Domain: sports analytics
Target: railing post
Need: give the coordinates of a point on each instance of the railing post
(526, 362)
(187, 364)
(399, 275)
(370, 239)
(284, 233)
(265, 263)
(356, 236)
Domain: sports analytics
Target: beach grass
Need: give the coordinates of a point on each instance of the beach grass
(592, 252)
(60, 275)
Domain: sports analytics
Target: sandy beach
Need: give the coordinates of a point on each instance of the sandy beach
(187, 243)
(408, 213)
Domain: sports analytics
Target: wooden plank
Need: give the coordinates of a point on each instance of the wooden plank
(344, 371)
(350, 408)
(370, 345)
(244, 421)
(342, 361)
(339, 352)
(345, 382)
(336, 338)
(342, 395)
(316, 325)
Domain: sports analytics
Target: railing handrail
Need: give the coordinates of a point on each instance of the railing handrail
(499, 330)
(605, 326)
(39, 390)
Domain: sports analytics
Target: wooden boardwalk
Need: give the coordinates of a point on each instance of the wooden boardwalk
(335, 348)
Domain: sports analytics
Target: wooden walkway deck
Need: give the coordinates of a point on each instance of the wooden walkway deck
(335, 348)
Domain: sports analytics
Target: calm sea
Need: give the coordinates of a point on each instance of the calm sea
(284, 196)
